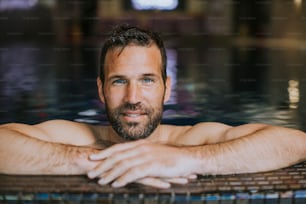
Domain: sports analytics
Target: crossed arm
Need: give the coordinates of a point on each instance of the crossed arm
(224, 150)
(56, 148)
(26, 149)
(260, 148)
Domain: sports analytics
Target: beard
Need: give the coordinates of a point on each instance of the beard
(134, 130)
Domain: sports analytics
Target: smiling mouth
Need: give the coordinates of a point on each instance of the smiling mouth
(131, 115)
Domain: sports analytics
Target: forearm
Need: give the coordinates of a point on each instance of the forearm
(20, 154)
(268, 149)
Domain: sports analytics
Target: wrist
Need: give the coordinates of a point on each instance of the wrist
(191, 160)
(201, 161)
(81, 159)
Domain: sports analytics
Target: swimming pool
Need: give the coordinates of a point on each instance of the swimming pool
(222, 81)
(213, 80)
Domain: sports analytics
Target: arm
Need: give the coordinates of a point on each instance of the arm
(209, 133)
(266, 149)
(259, 148)
(26, 149)
(44, 149)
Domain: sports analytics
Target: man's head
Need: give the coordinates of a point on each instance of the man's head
(132, 82)
(124, 35)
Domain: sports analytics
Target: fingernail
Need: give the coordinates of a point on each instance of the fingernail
(91, 174)
(93, 156)
(192, 176)
(166, 185)
(101, 182)
(116, 184)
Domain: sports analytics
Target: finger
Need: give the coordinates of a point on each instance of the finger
(192, 176)
(177, 180)
(181, 180)
(115, 148)
(133, 174)
(119, 169)
(154, 182)
(121, 160)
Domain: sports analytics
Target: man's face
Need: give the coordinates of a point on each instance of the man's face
(133, 90)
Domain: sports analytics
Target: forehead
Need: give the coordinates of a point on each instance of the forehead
(133, 59)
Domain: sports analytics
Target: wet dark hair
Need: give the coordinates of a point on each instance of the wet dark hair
(124, 35)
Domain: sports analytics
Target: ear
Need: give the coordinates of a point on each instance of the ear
(168, 89)
(100, 89)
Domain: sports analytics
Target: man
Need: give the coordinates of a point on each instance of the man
(133, 84)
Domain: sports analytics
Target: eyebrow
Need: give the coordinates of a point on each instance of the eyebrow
(123, 76)
(150, 75)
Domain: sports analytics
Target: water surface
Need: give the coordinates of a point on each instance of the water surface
(212, 81)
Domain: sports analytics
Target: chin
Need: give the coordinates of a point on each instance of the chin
(132, 133)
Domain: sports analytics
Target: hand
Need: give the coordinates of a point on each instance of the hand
(164, 183)
(80, 157)
(133, 161)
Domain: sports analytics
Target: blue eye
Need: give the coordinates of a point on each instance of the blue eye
(147, 80)
(119, 81)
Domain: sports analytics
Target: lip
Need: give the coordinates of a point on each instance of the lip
(133, 115)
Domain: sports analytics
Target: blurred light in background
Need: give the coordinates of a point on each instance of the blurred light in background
(298, 3)
(172, 73)
(154, 5)
(17, 4)
(294, 93)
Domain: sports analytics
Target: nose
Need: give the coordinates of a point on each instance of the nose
(132, 93)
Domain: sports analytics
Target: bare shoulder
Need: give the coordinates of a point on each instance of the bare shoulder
(201, 133)
(208, 133)
(58, 131)
(171, 133)
(70, 132)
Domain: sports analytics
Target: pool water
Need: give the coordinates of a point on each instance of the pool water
(213, 80)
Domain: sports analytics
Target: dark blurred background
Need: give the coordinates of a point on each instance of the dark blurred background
(76, 21)
(231, 61)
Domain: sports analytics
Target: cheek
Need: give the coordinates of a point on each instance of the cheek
(113, 98)
(154, 97)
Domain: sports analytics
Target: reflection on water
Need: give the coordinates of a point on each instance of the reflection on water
(294, 93)
(211, 82)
